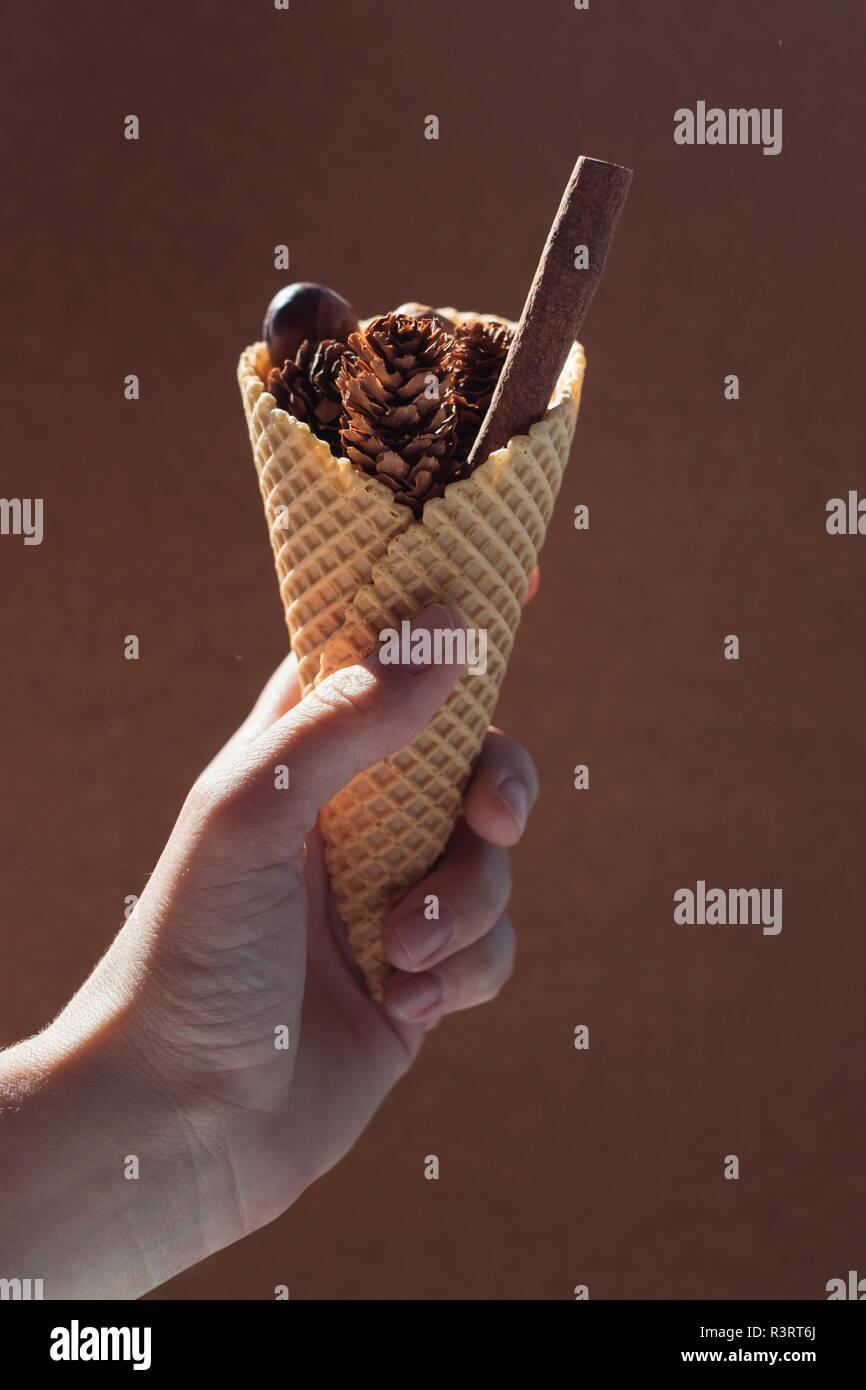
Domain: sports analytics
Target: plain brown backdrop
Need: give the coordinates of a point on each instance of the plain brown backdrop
(258, 127)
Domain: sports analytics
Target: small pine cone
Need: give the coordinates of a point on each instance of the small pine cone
(307, 387)
(480, 350)
(399, 412)
(422, 483)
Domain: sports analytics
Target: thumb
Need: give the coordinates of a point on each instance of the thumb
(276, 786)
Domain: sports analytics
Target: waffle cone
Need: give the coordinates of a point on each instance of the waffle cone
(352, 562)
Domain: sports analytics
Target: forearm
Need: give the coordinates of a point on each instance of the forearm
(105, 1190)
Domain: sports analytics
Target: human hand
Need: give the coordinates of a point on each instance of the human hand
(237, 936)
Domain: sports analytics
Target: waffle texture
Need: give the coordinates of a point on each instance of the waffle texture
(351, 562)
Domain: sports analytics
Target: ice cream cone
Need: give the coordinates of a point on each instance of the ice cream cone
(351, 563)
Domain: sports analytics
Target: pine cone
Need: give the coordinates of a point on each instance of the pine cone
(480, 350)
(415, 486)
(307, 387)
(394, 425)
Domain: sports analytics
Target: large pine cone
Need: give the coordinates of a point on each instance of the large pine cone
(480, 350)
(398, 399)
(307, 387)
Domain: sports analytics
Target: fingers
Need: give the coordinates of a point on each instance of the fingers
(359, 715)
(281, 693)
(470, 977)
(275, 786)
(453, 907)
(503, 788)
(534, 580)
(448, 938)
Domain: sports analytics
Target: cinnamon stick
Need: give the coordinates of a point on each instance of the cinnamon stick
(557, 303)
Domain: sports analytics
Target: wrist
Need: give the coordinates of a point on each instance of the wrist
(115, 1188)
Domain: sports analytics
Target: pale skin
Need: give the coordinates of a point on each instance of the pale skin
(166, 1055)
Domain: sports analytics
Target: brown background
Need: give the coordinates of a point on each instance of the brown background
(707, 518)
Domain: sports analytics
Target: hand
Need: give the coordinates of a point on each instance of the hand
(237, 936)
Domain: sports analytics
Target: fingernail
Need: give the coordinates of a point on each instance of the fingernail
(419, 654)
(414, 995)
(421, 642)
(515, 797)
(415, 937)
